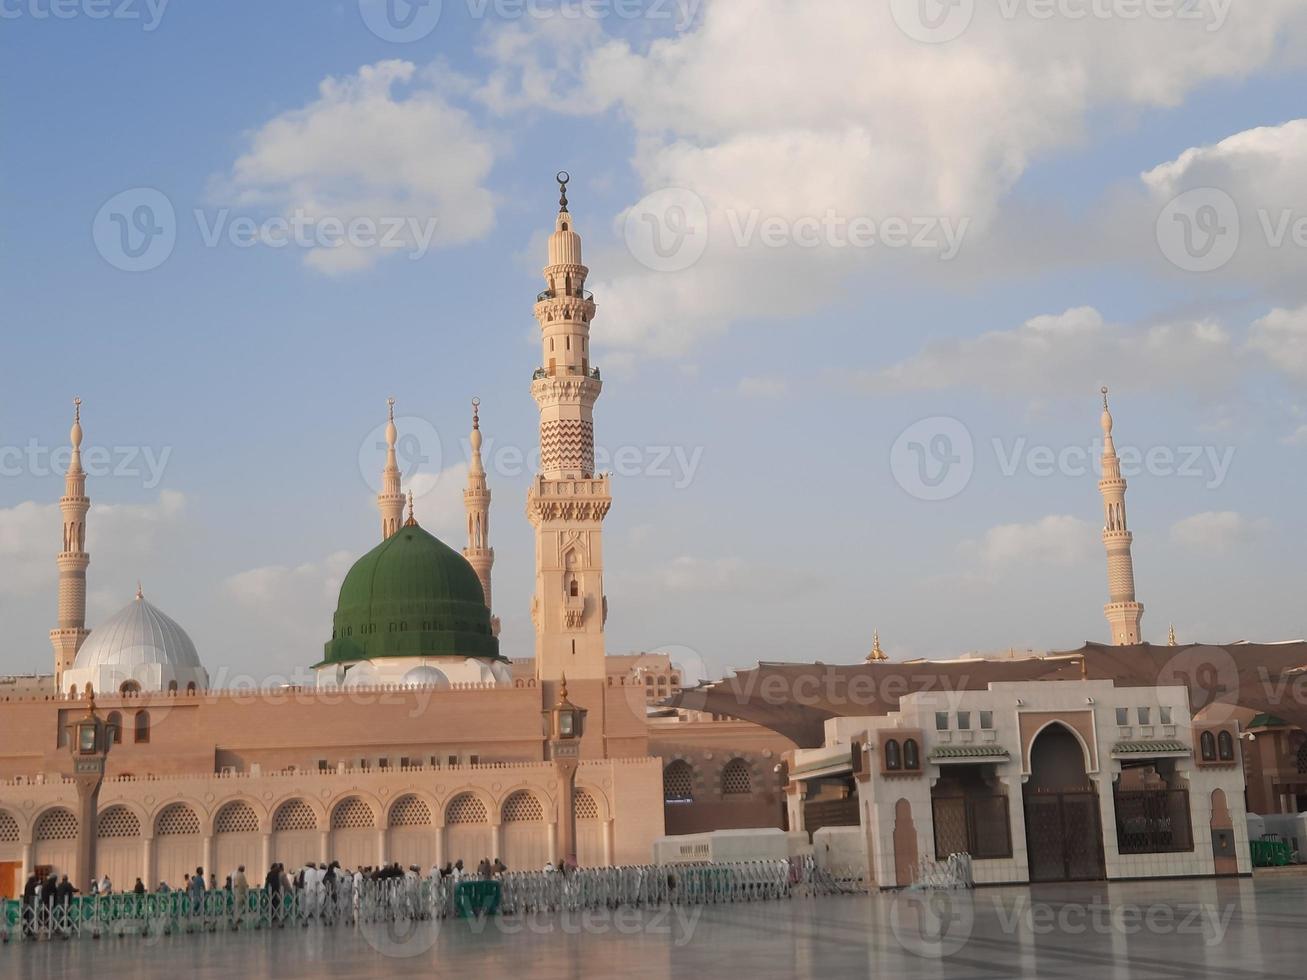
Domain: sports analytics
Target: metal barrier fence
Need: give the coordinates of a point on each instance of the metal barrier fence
(415, 898)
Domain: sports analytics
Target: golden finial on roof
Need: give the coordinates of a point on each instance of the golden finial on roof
(140, 593)
(77, 410)
(390, 402)
(476, 413)
(412, 521)
(1170, 636)
(876, 652)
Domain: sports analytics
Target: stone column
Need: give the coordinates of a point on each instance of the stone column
(88, 799)
(266, 851)
(553, 842)
(207, 861)
(608, 843)
(147, 862)
(567, 809)
(381, 848)
(27, 863)
(496, 836)
(324, 845)
(440, 845)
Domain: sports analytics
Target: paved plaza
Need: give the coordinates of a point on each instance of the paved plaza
(1230, 929)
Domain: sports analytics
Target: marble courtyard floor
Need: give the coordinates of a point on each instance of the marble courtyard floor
(1230, 929)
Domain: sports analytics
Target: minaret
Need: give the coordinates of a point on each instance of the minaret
(68, 637)
(476, 501)
(391, 499)
(567, 501)
(1122, 611)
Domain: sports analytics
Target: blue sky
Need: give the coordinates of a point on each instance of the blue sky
(787, 373)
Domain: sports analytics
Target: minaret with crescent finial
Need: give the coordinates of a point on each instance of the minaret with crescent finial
(476, 501)
(567, 501)
(391, 499)
(1122, 611)
(68, 637)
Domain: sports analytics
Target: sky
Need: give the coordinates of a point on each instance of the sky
(861, 266)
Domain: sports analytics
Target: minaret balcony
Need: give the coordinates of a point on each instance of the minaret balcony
(583, 294)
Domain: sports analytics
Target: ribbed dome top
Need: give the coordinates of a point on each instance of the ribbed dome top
(411, 596)
(138, 634)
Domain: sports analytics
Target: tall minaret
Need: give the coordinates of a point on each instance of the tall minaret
(1122, 611)
(68, 637)
(567, 502)
(476, 501)
(391, 499)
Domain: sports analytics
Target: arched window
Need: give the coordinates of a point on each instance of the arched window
(893, 757)
(911, 754)
(142, 726)
(1207, 746)
(1225, 746)
(190, 688)
(648, 680)
(172, 687)
(735, 778)
(72, 692)
(574, 589)
(678, 783)
(129, 687)
(116, 720)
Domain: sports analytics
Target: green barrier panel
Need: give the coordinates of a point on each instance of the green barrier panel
(1269, 853)
(473, 898)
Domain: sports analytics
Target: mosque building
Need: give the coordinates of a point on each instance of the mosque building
(418, 742)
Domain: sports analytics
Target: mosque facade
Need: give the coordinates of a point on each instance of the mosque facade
(418, 742)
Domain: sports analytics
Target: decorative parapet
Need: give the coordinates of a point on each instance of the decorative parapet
(968, 753)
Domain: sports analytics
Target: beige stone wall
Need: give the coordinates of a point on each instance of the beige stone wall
(414, 816)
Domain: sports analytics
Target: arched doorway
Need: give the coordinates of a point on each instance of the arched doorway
(1064, 836)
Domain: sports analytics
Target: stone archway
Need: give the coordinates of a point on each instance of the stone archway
(1064, 835)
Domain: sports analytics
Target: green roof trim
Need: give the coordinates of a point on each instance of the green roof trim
(1267, 721)
(967, 752)
(1149, 747)
(411, 596)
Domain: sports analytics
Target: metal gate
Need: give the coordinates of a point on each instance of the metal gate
(1064, 837)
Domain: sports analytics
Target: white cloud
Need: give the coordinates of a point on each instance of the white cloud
(1070, 351)
(1215, 532)
(726, 576)
(383, 144)
(1281, 336)
(764, 109)
(763, 387)
(1057, 540)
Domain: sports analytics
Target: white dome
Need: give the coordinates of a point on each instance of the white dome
(425, 676)
(139, 644)
(138, 634)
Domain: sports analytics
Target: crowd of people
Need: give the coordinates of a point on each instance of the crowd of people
(328, 894)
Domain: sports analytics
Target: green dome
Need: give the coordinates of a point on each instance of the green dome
(411, 596)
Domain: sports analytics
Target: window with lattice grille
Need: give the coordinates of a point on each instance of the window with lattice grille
(236, 818)
(522, 807)
(178, 819)
(352, 814)
(735, 778)
(294, 815)
(678, 782)
(56, 824)
(1302, 757)
(8, 828)
(466, 809)
(584, 805)
(118, 821)
(410, 811)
